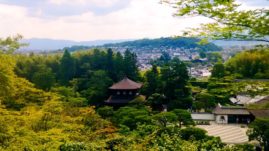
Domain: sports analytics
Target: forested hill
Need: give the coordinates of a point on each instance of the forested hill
(182, 42)
(151, 44)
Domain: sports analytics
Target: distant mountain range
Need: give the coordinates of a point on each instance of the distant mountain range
(37, 44)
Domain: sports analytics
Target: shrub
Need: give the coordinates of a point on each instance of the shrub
(192, 133)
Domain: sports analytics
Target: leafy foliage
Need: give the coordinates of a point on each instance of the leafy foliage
(174, 86)
(164, 118)
(250, 64)
(230, 22)
(10, 44)
(183, 117)
(218, 70)
(81, 71)
(131, 117)
(67, 68)
(193, 133)
(60, 118)
(152, 81)
(260, 132)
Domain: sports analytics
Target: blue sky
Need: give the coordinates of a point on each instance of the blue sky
(95, 19)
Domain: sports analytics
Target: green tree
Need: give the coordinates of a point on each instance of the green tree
(7, 76)
(164, 118)
(218, 70)
(152, 81)
(67, 68)
(105, 112)
(5, 136)
(98, 60)
(130, 65)
(230, 22)
(259, 130)
(44, 78)
(214, 57)
(10, 44)
(193, 133)
(131, 117)
(175, 78)
(119, 66)
(156, 101)
(97, 89)
(138, 102)
(250, 64)
(183, 117)
(110, 65)
(204, 100)
(27, 66)
(7, 65)
(242, 147)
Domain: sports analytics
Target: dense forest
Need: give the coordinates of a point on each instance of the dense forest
(54, 102)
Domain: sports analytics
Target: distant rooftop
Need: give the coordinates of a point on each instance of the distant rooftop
(260, 113)
(231, 110)
(126, 84)
(246, 99)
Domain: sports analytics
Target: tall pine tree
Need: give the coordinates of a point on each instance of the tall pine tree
(119, 66)
(174, 86)
(130, 65)
(110, 65)
(152, 81)
(67, 68)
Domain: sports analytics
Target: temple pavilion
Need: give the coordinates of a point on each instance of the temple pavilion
(123, 92)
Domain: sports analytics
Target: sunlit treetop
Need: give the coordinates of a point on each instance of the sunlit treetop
(229, 20)
(10, 44)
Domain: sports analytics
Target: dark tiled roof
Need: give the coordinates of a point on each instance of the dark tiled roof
(260, 113)
(225, 110)
(126, 84)
(118, 100)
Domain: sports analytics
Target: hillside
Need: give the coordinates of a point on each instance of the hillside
(159, 43)
(38, 45)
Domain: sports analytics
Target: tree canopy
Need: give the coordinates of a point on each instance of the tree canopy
(260, 131)
(250, 64)
(10, 44)
(229, 20)
(62, 115)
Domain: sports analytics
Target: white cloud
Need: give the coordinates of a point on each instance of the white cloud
(98, 3)
(140, 19)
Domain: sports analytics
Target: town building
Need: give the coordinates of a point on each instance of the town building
(232, 114)
(123, 92)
